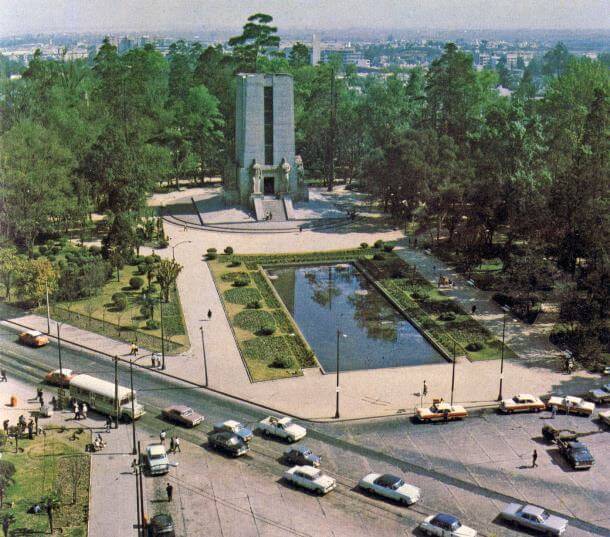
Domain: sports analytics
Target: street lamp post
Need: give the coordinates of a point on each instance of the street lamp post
(46, 285)
(176, 246)
(338, 389)
(505, 309)
(59, 349)
(205, 362)
(453, 373)
(162, 335)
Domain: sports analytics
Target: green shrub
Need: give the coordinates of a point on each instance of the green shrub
(229, 250)
(241, 282)
(378, 244)
(55, 250)
(265, 290)
(474, 346)
(151, 324)
(163, 243)
(254, 320)
(255, 305)
(233, 276)
(95, 250)
(135, 282)
(283, 362)
(364, 245)
(447, 316)
(379, 257)
(235, 263)
(241, 295)
(266, 331)
(146, 310)
(142, 268)
(211, 250)
(43, 249)
(119, 301)
(388, 247)
(211, 256)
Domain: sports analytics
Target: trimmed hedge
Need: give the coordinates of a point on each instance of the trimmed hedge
(242, 295)
(265, 291)
(254, 320)
(232, 276)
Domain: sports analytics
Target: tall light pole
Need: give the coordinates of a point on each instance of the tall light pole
(205, 362)
(133, 410)
(162, 335)
(59, 349)
(46, 285)
(453, 373)
(505, 309)
(176, 246)
(338, 389)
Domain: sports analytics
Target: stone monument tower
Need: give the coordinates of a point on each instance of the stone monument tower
(265, 168)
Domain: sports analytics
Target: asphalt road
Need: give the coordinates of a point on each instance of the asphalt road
(470, 468)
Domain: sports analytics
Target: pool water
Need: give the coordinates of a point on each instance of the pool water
(326, 298)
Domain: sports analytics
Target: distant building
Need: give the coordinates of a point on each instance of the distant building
(315, 50)
(348, 56)
(125, 45)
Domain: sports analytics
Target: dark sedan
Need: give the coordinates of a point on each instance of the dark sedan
(229, 442)
(302, 456)
(161, 526)
(182, 415)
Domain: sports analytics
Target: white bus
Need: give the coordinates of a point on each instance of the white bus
(100, 395)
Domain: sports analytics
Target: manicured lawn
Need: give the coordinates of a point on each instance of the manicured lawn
(98, 315)
(44, 466)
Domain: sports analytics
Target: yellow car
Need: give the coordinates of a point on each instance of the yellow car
(440, 411)
(33, 338)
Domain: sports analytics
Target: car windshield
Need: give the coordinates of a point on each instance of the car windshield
(543, 516)
(187, 412)
(398, 484)
(155, 456)
(233, 441)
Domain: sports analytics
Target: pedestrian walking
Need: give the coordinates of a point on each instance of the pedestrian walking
(209, 315)
(3, 375)
(75, 410)
(425, 390)
(136, 349)
(162, 436)
(170, 492)
(132, 349)
(534, 458)
(84, 410)
(177, 445)
(553, 411)
(39, 396)
(108, 423)
(36, 422)
(31, 429)
(172, 445)
(473, 309)
(5, 426)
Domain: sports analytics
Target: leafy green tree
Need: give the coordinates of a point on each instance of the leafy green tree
(35, 277)
(257, 37)
(10, 266)
(556, 60)
(299, 55)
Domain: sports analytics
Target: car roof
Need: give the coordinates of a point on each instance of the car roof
(162, 519)
(525, 396)
(64, 370)
(156, 449)
(229, 423)
(309, 470)
(532, 510)
(301, 449)
(179, 408)
(446, 519)
(224, 434)
(387, 480)
(33, 333)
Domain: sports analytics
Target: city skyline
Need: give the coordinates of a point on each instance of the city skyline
(34, 16)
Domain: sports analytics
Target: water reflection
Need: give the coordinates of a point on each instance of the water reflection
(323, 299)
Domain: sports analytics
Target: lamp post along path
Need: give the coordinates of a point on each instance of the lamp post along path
(505, 309)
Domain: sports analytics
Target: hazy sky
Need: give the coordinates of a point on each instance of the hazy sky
(19, 16)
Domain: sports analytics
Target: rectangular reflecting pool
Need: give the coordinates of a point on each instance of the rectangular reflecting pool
(326, 298)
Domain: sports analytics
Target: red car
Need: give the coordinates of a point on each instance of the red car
(57, 379)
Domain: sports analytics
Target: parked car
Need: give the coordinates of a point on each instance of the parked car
(234, 427)
(535, 518)
(522, 402)
(310, 478)
(445, 525)
(303, 456)
(156, 459)
(576, 453)
(600, 395)
(282, 428)
(60, 379)
(440, 411)
(161, 525)
(33, 338)
(229, 442)
(571, 404)
(390, 486)
(182, 415)
(604, 417)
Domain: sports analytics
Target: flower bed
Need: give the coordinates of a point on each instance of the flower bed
(241, 295)
(254, 320)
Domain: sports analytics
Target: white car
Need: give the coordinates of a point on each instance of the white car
(604, 416)
(445, 525)
(156, 459)
(522, 402)
(571, 404)
(390, 486)
(600, 395)
(310, 478)
(282, 428)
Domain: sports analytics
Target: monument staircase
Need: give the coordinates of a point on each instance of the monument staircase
(275, 208)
